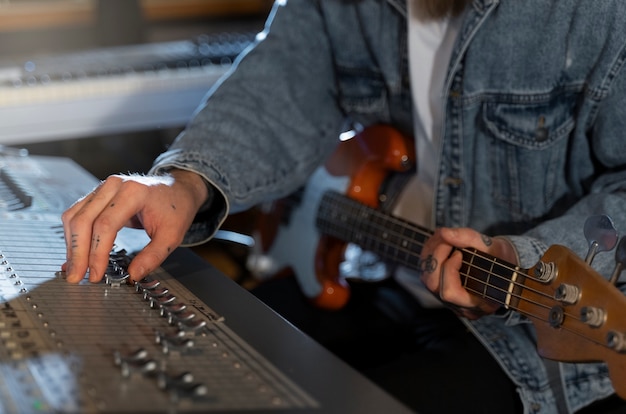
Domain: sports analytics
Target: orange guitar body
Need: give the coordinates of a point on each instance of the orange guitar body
(367, 159)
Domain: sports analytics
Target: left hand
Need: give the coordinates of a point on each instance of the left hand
(440, 273)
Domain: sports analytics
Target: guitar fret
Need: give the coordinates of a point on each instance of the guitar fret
(349, 220)
(487, 276)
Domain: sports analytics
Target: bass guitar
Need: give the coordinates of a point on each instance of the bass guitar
(567, 301)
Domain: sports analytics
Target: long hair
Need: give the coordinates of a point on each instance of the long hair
(438, 9)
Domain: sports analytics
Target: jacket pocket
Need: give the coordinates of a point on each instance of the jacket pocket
(528, 139)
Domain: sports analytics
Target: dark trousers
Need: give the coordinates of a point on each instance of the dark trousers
(426, 358)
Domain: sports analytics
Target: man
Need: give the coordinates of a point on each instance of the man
(517, 103)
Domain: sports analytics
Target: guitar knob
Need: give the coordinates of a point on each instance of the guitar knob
(616, 341)
(593, 316)
(620, 260)
(545, 272)
(601, 235)
(567, 294)
(556, 316)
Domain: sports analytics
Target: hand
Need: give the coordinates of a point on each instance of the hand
(162, 205)
(441, 265)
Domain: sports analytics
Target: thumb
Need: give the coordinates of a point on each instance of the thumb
(148, 259)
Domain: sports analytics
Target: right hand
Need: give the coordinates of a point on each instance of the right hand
(162, 205)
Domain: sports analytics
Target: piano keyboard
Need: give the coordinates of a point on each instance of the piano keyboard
(111, 90)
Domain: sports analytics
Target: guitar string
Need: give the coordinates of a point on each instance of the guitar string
(410, 251)
(520, 298)
(561, 326)
(488, 273)
(356, 206)
(567, 315)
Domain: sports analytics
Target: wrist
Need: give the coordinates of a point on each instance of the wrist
(195, 185)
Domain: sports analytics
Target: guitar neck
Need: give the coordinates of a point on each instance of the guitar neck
(400, 242)
(391, 238)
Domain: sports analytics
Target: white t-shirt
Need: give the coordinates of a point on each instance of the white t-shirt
(430, 47)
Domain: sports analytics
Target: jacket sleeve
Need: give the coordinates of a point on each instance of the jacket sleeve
(264, 127)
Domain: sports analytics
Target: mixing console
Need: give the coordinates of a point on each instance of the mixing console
(184, 339)
(72, 348)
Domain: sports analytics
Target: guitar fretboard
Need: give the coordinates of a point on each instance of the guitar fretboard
(391, 238)
(399, 241)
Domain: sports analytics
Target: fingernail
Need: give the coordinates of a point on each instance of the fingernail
(138, 274)
(68, 272)
(93, 276)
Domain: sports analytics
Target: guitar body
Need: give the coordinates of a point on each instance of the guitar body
(289, 239)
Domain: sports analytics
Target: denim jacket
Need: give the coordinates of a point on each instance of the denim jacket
(534, 116)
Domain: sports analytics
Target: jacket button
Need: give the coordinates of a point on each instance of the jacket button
(453, 181)
(541, 134)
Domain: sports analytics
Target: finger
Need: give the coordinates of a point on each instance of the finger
(150, 258)
(464, 237)
(434, 254)
(116, 214)
(66, 219)
(90, 230)
(452, 291)
(166, 228)
(77, 227)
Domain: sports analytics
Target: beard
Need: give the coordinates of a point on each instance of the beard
(438, 9)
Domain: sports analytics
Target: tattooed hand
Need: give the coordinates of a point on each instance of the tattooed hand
(162, 205)
(442, 277)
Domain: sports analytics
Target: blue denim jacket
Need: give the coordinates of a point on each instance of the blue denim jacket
(534, 103)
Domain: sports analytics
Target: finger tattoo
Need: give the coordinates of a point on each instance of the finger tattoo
(487, 240)
(95, 241)
(429, 264)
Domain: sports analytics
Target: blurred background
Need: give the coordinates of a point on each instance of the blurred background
(110, 83)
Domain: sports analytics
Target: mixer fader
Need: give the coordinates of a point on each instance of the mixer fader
(184, 339)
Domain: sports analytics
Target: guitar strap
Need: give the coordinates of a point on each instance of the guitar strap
(391, 189)
(553, 369)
